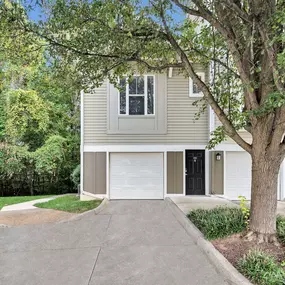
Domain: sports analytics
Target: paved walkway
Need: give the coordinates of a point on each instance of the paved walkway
(188, 203)
(26, 205)
(128, 243)
(32, 217)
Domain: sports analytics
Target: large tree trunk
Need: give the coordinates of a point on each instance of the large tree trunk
(264, 198)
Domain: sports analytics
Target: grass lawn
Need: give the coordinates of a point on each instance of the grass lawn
(5, 201)
(70, 203)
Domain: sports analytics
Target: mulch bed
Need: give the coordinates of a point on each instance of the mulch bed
(234, 247)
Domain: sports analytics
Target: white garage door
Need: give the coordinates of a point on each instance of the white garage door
(238, 174)
(136, 176)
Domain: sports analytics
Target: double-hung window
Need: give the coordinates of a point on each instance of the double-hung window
(136, 97)
(194, 90)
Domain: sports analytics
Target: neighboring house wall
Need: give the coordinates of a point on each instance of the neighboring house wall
(94, 172)
(181, 128)
(175, 173)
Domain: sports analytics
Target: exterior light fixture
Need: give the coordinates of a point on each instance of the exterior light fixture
(218, 156)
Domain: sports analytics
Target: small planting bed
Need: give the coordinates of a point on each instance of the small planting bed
(70, 203)
(225, 227)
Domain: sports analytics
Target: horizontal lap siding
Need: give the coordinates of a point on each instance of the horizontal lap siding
(181, 125)
(243, 133)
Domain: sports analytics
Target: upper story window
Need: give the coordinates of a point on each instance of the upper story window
(137, 96)
(194, 90)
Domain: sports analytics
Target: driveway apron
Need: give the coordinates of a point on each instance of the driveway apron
(130, 242)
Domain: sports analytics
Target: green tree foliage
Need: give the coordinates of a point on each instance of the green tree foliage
(27, 117)
(50, 158)
(39, 111)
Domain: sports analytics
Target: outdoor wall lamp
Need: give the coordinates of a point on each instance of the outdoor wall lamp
(218, 156)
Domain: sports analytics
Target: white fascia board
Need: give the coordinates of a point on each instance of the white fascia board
(141, 148)
(228, 147)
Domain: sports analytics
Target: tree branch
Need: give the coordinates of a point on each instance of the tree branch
(229, 128)
(234, 7)
(206, 14)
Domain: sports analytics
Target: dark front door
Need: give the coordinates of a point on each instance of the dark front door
(195, 172)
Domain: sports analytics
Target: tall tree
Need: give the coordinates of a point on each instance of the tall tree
(242, 39)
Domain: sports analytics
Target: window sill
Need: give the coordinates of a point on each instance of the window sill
(136, 116)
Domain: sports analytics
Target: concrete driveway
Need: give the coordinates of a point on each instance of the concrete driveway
(128, 243)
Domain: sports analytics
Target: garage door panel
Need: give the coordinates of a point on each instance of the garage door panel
(238, 175)
(136, 176)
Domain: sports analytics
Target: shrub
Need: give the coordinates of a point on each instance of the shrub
(218, 222)
(280, 228)
(261, 269)
(75, 176)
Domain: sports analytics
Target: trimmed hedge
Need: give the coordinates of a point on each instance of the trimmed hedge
(261, 269)
(218, 222)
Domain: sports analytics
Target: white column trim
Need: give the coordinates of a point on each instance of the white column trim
(225, 171)
(207, 172)
(282, 182)
(184, 176)
(81, 140)
(108, 175)
(165, 173)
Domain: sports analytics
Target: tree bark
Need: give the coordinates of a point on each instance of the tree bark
(263, 198)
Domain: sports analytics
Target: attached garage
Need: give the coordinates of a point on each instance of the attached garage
(136, 176)
(237, 174)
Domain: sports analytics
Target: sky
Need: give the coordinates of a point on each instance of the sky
(35, 13)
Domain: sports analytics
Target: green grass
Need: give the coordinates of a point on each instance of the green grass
(5, 201)
(70, 203)
(261, 268)
(218, 222)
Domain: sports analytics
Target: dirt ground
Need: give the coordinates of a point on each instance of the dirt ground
(233, 248)
(32, 217)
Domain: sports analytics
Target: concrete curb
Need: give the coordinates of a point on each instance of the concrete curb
(96, 211)
(222, 265)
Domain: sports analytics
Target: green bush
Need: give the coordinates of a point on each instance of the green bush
(280, 227)
(75, 176)
(261, 269)
(218, 222)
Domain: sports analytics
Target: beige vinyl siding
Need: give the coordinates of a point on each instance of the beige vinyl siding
(243, 133)
(175, 173)
(94, 172)
(217, 173)
(182, 128)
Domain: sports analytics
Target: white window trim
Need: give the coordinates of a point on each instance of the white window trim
(191, 83)
(139, 95)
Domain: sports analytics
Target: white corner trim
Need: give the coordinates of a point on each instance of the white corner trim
(211, 120)
(170, 71)
(81, 140)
